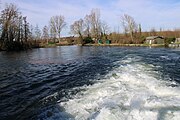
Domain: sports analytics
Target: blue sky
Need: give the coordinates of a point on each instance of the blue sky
(150, 14)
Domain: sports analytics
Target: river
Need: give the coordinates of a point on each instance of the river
(90, 83)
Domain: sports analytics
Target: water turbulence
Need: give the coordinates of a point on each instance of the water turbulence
(131, 91)
(90, 83)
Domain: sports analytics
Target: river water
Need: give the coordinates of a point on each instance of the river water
(90, 83)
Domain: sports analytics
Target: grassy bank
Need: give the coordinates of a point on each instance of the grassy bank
(113, 44)
(53, 45)
(127, 45)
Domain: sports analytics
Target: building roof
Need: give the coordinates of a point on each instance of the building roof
(153, 37)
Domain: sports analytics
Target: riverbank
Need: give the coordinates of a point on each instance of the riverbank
(95, 44)
(54, 45)
(114, 44)
(111, 45)
(128, 45)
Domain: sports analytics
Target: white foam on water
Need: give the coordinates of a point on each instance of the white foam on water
(132, 91)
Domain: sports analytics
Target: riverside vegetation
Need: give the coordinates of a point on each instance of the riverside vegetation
(16, 33)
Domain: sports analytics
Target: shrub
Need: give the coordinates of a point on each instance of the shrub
(168, 40)
(87, 40)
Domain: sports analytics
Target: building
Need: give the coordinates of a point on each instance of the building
(154, 40)
(108, 41)
(177, 40)
(100, 42)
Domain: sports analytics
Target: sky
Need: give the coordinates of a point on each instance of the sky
(164, 14)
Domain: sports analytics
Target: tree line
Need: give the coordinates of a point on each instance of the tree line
(88, 29)
(92, 28)
(16, 33)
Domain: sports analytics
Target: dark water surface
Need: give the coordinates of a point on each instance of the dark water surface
(29, 79)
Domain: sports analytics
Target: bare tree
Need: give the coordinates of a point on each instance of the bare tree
(104, 28)
(37, 32)
(77, 28)
(53, 33)
(25, 29)
(8, 20)
(45, 33)
(87, 25)
(129, 25)
(95, 23)
(14, 29)
(57, 23)
(153, 32)
(31, 29)
(139, 29)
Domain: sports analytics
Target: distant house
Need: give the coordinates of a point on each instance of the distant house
(108, 41)
(177, 40)
(100, 42)
(154, 40)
